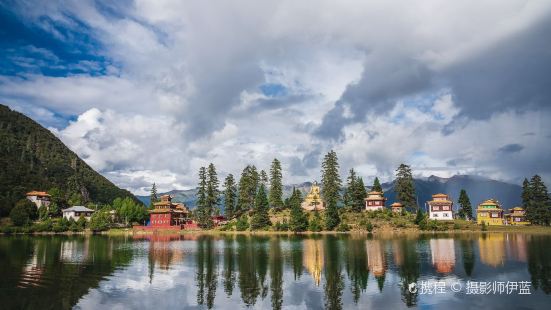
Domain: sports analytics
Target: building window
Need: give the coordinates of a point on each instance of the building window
(435, 214)
(495, 215)
(436, 208)
(445, 214)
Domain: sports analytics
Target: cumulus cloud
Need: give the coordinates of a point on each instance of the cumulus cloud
(446, 87)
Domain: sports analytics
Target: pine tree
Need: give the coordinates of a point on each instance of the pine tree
(203, 214)
(315, 224)
(405, 188)
(298, 221)
(263, 178)
(359, 195)
(526, 195)
(213, 193)
(539, 206)
(153, 197)
(230, 196)
(260, 218)
(276, 185)
(465, 209)
(331, 185)
(248, 185)
(348, 197)
(376, 185)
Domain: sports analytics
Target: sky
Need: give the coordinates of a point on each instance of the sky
(150, 91)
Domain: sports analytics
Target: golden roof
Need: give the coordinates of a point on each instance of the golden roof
(440, 195)
(490, 202)
(37, 193)
(397, 205)
(375, 193)
(518, 209)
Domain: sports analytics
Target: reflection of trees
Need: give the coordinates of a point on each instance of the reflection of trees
(356, 266)
(467, 247)
(313, 258)
(407, 260)
(492, 249)
(252, 263)
(296, 255)
(443, 254)
(516, 247)
(276, 273)
(229, 266)
(35, 262)
(207, 273)
(334, 282)
(539, 262)
(376, 260)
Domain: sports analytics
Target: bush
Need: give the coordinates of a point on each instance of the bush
(343, 227)
(315, 223)
(242, 223)
(20, 215)
(99, 221)
(281, 226)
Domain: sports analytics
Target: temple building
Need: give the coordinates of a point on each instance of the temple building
(313, 200)
(397, 207)
(516, 216)
(167, 214)
(440, 207)
(374, 201)
(490, 212)
(40, 199)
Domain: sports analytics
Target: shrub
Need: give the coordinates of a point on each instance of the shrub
(343, 227)
(281, 226)
(20, 215)
(315, 223)
(99, 221)
(242, 223)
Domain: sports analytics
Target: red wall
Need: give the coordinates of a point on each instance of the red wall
(160, 219)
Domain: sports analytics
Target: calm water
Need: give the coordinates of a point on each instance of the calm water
(316, 272)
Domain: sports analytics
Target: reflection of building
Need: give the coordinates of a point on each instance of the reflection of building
(167, 214)
(313, 258)
(489, 212)
(74, 250)
(440, 207)
(397, 252)
(374, 201)
(492, 249)
(76, 212)
(516, 216)
(313, 200)
(397, 207)
(443, 255)
(40, 199)
(376, 257)
(516, 247)
(161, 251)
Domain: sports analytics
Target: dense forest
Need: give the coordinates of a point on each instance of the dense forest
(32, 158)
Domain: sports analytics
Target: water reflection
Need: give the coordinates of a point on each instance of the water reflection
(324, 271)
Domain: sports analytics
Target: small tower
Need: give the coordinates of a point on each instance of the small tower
(374, 201)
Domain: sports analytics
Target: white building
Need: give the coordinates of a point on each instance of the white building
(440, 208)
(374, 201)
(76, 211)
(40, 199)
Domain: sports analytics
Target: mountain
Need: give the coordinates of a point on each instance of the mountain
(478, 188)
(33, 158)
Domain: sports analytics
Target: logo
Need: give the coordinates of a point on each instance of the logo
(412, 287)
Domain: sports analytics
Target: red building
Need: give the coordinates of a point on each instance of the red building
(168, 214)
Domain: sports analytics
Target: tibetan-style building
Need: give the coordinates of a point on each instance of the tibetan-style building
(313, 200)
(440, 207)
(490, 212)
(40, 199)
(374, 201)
(397, 207)
(166, 214)
(516, 216)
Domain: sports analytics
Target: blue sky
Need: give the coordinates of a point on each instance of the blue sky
(241, 83)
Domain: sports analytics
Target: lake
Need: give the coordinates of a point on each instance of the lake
(463, 271)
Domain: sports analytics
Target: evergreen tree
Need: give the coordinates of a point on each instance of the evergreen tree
(331, 185)
(260, 218)
(539, 206)
(153, 196)
(465, 209)
(203, 214)
(263, 178)
(376, 185)
(348, 197)
(526, 195)
(298, 221)
(359, 195)
(248, 185)
(315, 223)
(276, 185)
(405, 187)
(213, 193)
(230, 196)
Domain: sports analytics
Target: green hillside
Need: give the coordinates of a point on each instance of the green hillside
(32, 158)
